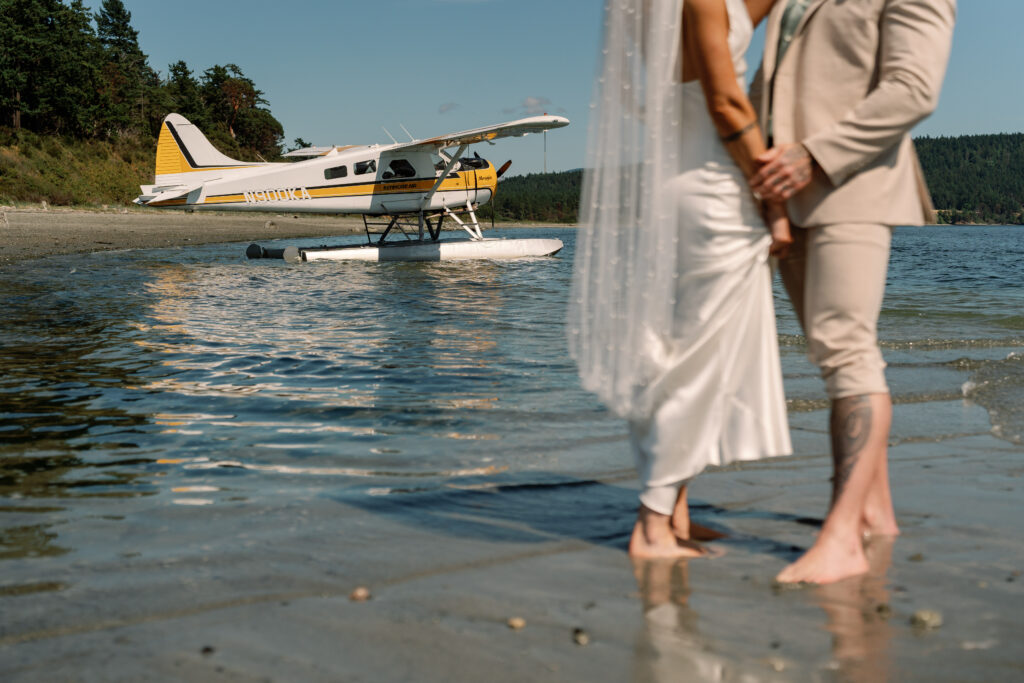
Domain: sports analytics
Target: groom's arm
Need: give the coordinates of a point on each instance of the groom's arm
(915, 40)
(916, 37)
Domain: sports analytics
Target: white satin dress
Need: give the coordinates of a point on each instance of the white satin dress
(718, 396)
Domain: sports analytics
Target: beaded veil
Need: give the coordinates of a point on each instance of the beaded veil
(624, 278)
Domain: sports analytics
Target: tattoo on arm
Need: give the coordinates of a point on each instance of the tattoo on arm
(851, 425)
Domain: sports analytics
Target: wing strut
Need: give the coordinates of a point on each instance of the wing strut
(440, 179)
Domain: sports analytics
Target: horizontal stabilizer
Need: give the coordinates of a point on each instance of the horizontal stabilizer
(154, 195)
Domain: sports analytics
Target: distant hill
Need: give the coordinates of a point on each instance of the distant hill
(973, 179)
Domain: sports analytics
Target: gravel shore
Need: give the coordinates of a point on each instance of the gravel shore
(28, 234)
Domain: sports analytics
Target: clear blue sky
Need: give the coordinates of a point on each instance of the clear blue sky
(335, 71)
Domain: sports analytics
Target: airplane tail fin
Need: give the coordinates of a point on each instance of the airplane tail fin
(185, 156)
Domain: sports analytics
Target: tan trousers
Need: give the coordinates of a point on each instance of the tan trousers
(835, 277)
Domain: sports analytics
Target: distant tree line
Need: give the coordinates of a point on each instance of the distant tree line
(975, 178)
(972, 178)
(70, 72)
(543, 197)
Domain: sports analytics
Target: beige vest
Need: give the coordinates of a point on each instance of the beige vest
(857, 77)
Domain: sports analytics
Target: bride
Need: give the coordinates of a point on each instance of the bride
(671, 320)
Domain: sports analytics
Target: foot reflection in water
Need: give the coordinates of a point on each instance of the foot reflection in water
(671, 647)
(857, 615)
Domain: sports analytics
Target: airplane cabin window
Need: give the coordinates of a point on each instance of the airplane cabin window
(363, 167)
(401, 168)
(336, 172)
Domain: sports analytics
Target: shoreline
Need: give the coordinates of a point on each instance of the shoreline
(30, 233)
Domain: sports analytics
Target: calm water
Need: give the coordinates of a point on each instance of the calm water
(193, 377)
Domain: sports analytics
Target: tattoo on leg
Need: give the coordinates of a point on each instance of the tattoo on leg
(851, 425)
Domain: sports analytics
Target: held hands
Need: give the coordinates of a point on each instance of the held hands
(785, 170)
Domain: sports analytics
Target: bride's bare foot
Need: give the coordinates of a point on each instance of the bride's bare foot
(828, 561)
(687, 530)
(654, 538)
(691, 531)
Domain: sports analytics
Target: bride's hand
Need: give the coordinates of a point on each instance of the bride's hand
(778, 224)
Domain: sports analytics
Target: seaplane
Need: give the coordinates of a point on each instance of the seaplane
(404, 191)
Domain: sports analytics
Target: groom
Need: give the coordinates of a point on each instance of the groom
(842, 84)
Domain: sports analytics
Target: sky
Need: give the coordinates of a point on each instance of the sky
(338, 71)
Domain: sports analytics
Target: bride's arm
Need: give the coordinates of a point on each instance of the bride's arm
(706, 56)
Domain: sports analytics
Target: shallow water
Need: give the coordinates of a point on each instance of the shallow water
(194, 377)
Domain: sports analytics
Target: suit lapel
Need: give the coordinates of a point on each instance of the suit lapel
(773, 25)
(811, 9)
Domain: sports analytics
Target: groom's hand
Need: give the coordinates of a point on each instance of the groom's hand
(785, 170)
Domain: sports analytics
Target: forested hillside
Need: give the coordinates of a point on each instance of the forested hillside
(82, 76)
(537, 197)
(975, 178)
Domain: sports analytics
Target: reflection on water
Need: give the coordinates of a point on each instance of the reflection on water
(147, 373)
(672, 647)
(857, 613)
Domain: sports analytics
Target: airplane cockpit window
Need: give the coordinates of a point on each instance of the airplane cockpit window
(363, 167)
(399, 168)
(336, 172)
(475, 161)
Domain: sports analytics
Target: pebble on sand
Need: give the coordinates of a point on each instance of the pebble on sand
(516, 623)
(926, 619)
(360, 594)
(580, 637)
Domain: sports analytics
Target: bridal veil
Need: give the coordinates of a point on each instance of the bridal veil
(624, 281)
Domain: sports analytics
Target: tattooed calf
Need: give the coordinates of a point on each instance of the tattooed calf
(851, 425)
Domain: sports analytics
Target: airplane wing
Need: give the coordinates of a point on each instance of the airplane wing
(533, 124)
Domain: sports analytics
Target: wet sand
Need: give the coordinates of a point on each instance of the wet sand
(26, 234)
(34, 233)
(264, 594)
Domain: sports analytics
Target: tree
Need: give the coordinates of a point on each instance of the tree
(23, 38)
(184, 95)
(127, 78)
(238, 121)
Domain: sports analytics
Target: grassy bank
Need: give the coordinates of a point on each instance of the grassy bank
(64, 172)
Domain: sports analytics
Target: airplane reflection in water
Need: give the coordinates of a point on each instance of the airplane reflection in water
(369, 356)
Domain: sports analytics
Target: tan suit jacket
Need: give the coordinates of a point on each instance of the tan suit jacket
(858, 75)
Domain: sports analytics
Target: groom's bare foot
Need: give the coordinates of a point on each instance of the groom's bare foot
(878, 518)
(654, 538)
(875, 526)
(827, 561)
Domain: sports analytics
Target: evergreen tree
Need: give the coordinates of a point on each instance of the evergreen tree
(128, 81)
(184, 95)
(68, 92)
(23, 41)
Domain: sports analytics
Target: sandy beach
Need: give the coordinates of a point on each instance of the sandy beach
(32, 233)
(484, 582)
(267, 597)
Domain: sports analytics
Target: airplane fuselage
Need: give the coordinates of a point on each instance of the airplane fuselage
(366, 180)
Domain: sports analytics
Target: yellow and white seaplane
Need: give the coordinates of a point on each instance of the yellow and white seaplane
(403, 191)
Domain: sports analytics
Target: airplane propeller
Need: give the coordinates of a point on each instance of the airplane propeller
(504, 167)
